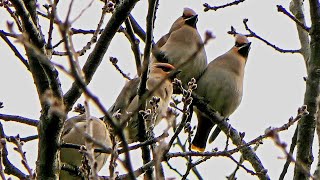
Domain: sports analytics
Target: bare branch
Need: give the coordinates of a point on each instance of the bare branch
(19, 119)
(14, 49)
(114, 62)
(134, 45)
(10, 169)
(284, 11)
(18, 143)
(253, 34)
(120, 14)
(307, 124)
(28, 23)
(207, 7)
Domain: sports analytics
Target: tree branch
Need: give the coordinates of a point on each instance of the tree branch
(253, 34)
(207, 7)
(120, 14)
(284, 11)
(307, 124)
(19, 119)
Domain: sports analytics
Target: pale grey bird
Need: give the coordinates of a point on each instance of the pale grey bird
(73, 133)
(221, 85)
(128, 100)
(183, 45)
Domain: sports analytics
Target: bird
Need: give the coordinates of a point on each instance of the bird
(187, 13)
(182, 47)
(128, 100)
(73, 132)
(221, 85)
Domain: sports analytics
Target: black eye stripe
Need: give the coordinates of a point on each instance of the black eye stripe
(239, 44)
(165, 69)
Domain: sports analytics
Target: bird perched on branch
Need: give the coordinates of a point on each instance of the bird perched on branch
(183, 47)
(74, 133)
(221, 85)
(128, 100)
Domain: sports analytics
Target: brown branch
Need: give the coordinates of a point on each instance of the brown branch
(19, 119)
(207, 7)
(308, 123)
(10, 169)
(288, 161)
(120, 14)
(16, 140)
(95, 34)
(114, 62)
(146, 155)
(297, 9)
(13, 15)
(282, 146)
(122, 150)
(138, 29)
(52, 18)
(284, 11)
(253, 34)
(28, 23)
(134, 45)
(14, 49)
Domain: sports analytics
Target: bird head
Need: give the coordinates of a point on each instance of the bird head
(242, 45)
(189, 17)
(163, 69)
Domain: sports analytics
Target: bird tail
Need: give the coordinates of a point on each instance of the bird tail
(214, 134)
(203, 130)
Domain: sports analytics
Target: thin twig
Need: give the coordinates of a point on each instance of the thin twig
(253, 34)
(14, 49)
(114, 62)
(207, 7)
(284, 11)
(19, 119)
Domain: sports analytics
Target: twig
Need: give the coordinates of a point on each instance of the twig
(2, 145)
(14, 49)
(114, 62)
(253, 34)
(122, 150)
(95, 34)
(13, 15)
(232, 176)
(10, 169)
(18, 143)
(19, 119)
(207, 7)
(288, 161)
(282, 146)
(142, 86)
(243, 167)
(284, 11)
(138, 29)
(28, 23)
(134, 45)
(96, 56)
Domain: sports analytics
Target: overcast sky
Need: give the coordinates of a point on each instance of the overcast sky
(273, 84)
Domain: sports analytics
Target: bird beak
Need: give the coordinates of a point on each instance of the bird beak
(244, 50)
(192, 21)
(174, 74)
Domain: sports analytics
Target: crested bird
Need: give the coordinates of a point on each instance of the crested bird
(73, 132)
(128, 99)
(183, 47)
(221, 85)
